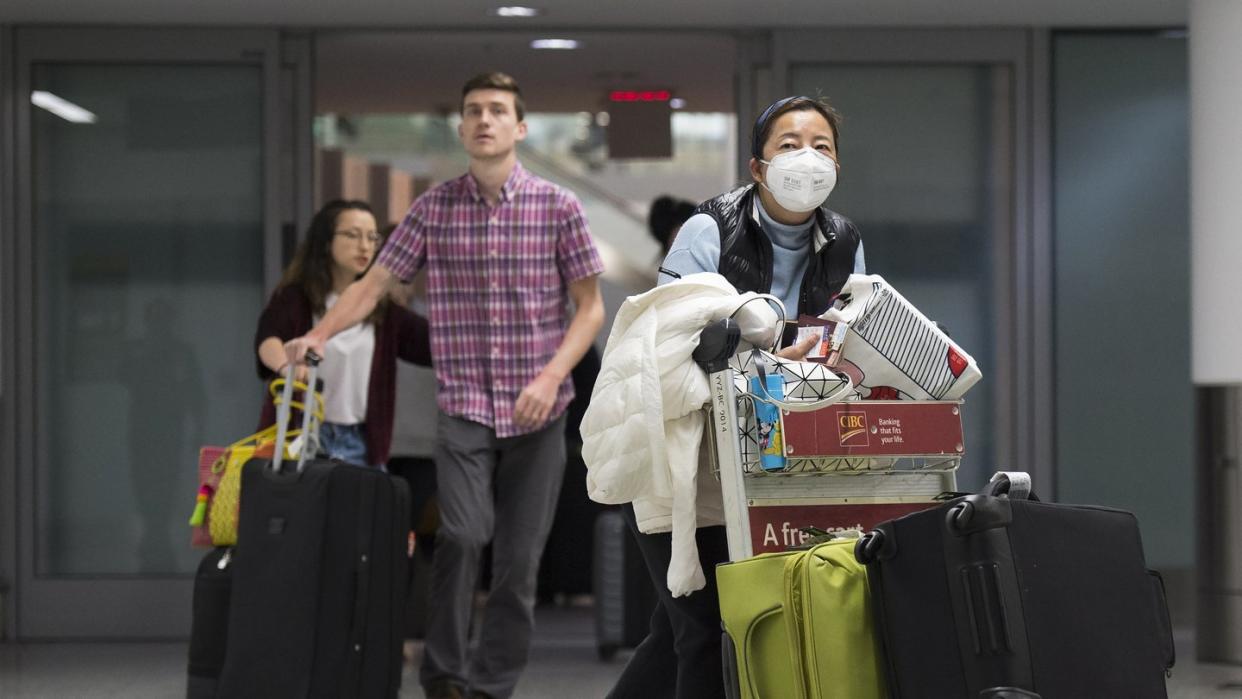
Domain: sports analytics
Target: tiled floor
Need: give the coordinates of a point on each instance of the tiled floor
(563, 665)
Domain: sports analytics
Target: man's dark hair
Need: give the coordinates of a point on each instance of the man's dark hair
(767, 120)
(495, 81)
(666, 216)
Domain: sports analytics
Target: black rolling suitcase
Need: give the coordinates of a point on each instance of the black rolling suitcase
(994, 595)
(419, 474)
(319, 579)
(624, 594)
(567, 556)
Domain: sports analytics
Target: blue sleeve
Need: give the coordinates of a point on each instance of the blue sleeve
(860, 261)
(695, 249)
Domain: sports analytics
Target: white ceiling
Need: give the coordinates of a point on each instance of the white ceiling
(412, 55)
(601, 14)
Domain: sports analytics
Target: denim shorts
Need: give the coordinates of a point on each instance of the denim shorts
(345, 443)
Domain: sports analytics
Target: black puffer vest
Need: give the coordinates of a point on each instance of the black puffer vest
(746, 251)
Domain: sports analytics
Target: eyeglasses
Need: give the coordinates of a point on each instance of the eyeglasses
(355, 236)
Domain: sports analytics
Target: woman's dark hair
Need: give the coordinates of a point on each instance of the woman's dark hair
(767, 120)
(311, 268)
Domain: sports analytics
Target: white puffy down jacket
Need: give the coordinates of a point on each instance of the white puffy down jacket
(642, 430)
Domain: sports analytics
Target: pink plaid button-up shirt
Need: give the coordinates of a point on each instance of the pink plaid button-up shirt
(496, 288)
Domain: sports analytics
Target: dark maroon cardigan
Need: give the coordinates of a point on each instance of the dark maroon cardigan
(402, 334)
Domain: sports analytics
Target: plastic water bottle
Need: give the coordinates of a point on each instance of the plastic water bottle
(768, 422)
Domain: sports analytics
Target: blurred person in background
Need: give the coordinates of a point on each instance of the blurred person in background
(412, 458)
(665, 218)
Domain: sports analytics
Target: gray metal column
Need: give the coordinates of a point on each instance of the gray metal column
(1219, 525)
(1216, 335)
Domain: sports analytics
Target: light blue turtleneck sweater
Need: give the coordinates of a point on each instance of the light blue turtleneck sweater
(697, 249)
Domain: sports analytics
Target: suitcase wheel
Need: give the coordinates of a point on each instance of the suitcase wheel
(867, 550)
(732, 679)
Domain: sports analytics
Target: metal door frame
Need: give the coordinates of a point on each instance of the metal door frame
(8, 373)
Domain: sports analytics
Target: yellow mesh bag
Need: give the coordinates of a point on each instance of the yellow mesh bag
(221, 494)
(222, 522)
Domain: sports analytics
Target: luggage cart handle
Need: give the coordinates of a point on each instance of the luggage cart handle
(717, 343)
(719, 340)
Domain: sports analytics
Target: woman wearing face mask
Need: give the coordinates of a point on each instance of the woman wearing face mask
(772, 236)
(776, 235)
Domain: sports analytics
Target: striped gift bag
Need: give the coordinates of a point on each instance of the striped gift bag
(892, 351)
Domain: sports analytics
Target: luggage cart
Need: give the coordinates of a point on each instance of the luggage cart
(849, 465)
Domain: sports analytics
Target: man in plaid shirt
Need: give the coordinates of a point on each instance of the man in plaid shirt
(504, 251)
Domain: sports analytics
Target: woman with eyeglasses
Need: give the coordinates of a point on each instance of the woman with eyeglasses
(360, 364)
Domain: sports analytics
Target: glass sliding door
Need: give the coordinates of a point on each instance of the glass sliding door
(147, 270)
(917, 183)
(1122, 222)
(146, 230)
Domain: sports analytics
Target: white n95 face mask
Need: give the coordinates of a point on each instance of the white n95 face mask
(800, 180)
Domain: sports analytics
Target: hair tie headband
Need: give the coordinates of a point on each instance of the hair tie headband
(756, 148)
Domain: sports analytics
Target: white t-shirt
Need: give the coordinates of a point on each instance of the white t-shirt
(346, 372)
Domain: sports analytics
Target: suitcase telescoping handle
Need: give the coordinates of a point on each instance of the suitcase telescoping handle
(284, 412)
(1013, 485)
(1016, 485)
(959, 517)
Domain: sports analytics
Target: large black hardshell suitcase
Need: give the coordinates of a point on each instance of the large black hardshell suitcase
(319, 581)
(993, 596)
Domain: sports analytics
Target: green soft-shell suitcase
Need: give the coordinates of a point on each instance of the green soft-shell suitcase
(752, 607)
(798, 626)
(834, 635)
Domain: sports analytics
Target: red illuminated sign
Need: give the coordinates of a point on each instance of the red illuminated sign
(640, 95)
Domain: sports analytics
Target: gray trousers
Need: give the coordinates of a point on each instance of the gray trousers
(502, 490)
